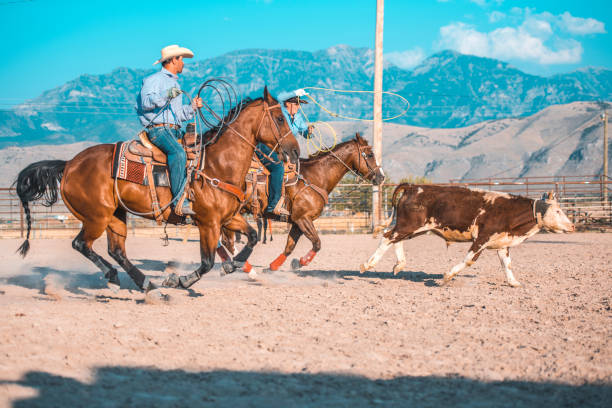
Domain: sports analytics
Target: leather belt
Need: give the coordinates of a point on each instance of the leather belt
(170, 125)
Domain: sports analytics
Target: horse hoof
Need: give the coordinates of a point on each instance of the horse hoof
(397, 269)
(295, 264)
(362, 268)
(113, 278)
(172, 281)
(228, 267)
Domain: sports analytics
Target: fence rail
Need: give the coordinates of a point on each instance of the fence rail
(586, 200)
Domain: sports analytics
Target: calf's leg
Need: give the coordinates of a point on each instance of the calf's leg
(384, 245)
(401, 257)
(471, 257)
(504, 258)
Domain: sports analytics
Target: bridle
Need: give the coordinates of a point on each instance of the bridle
(278, 136)
(361, 153)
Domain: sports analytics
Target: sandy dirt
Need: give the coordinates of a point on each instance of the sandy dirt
(322, 336)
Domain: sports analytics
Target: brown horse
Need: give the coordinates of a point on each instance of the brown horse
(319, 175)
(101, 203)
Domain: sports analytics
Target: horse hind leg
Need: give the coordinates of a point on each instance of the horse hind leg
(83, 243)
(307, 227)
(116, 233)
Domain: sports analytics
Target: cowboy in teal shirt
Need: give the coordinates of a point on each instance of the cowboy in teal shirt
(289, 102)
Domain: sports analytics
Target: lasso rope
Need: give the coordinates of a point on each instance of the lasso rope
(316, 139)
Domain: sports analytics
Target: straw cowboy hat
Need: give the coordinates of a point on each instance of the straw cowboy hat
(174, 51)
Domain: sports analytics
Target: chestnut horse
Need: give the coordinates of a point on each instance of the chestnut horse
(92, 195)
(323, 171)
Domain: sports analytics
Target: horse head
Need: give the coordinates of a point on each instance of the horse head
(275, 132)
(365, 162)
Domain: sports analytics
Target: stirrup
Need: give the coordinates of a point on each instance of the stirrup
(279, 208)
(180, 206)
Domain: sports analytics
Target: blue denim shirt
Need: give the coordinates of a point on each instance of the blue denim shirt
(298, 124)
(154, 95)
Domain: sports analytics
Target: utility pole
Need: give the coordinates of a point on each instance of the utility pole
(378, 78)
(604, 118)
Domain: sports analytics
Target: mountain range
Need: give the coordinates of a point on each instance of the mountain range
(447, 90)
(559, 140)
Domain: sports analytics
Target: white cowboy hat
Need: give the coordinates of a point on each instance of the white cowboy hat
(174, 51)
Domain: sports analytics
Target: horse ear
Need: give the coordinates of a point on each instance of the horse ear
(551, 195)
(358, 137)
(267, 97)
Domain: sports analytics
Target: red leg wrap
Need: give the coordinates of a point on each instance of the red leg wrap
(247, 267)
(305, 260)
(278, 262)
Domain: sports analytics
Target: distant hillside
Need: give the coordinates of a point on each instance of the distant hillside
(560, 140)
(447, 90)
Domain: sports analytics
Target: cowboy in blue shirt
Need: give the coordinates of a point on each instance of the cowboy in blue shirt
(162, 113)
(289, 102)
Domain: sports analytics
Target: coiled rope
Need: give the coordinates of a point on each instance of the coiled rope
(316, 140)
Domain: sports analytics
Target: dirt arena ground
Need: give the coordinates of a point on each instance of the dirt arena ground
(323, 336)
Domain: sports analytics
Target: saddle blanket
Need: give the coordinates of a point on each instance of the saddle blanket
(135, 171)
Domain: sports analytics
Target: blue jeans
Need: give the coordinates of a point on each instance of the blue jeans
(166, 140)
(277, 171)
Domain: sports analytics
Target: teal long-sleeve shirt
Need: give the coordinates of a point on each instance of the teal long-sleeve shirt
(298, 123)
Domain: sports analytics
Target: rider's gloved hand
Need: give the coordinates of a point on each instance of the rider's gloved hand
(173, 93)
(300, 92)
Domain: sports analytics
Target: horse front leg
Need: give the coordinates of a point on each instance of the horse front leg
(209, 237)
(239, 224)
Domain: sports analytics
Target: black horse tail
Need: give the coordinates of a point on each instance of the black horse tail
(38, 180)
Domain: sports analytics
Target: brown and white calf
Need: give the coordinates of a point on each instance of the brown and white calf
(488, 219)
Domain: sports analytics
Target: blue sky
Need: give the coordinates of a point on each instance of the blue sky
(49, 42)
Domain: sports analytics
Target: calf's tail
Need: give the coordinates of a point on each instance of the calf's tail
(394, 200)
(38, 180)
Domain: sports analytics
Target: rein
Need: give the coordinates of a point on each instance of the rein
(230, 188)
(278, 132)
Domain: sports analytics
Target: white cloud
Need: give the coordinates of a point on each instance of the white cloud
(526, 42)
(405, 59)
(484, 3)
(581, 26)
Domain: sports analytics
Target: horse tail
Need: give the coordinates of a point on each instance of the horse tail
(38, 180)
(394, 200)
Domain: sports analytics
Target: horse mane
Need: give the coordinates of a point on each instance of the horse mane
(212, 132)
(316, 156)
